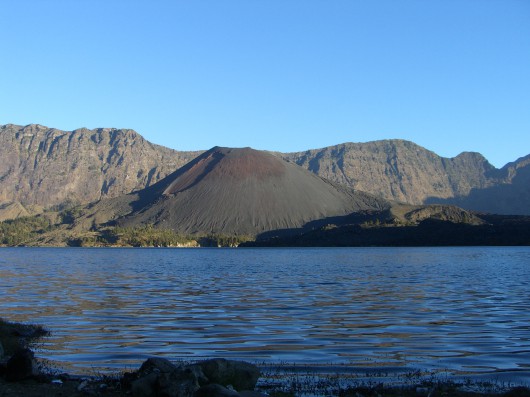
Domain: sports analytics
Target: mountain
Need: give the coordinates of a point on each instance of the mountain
(45, 166)
(509, 196)
(403, 171)
(235, 191)
(397, 169)
(227, 195)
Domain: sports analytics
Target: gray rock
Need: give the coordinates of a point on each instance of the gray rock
(158, 377)
(240, 374)
(180, 383)
(156, 364)
(21, 365)
(197, 371)
(215, 390)
(145, 386)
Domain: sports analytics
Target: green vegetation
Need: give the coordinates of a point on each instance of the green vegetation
(147, 236)
(68, 216)
(223, 240)
(21, 230)
(28, 230)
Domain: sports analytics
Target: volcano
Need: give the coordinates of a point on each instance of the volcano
(240, 191)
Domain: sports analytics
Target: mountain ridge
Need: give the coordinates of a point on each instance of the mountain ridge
(46, 166)
(397, 169)
(49, 167)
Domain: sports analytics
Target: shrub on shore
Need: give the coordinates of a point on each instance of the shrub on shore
(21, 230)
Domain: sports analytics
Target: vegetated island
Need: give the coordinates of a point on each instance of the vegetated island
(22, 374)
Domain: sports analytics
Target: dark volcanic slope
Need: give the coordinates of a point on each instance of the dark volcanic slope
(242, 191)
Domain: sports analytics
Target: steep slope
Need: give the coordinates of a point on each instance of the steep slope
(46, 166)
(397, 170)
(236, 191)
(510, 195)
(12, 210)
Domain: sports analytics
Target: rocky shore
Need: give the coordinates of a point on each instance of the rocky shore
(21, 374)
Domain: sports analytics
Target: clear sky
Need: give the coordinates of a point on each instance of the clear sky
(286, 75)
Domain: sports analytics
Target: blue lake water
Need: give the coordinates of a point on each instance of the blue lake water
(461, 310)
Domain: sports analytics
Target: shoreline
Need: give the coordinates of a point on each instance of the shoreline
(274, 383)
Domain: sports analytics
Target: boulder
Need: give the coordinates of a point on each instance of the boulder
(197, 371)
(215, 390)
(240, 374)
(146, 386)
(158, 377)
(156, 364)
(21, 365)
(180, 383)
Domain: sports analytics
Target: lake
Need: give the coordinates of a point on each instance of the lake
(465, 311)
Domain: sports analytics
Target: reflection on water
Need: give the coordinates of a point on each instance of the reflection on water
(463, 309)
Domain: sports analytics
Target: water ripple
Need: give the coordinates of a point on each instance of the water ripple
(462, 309)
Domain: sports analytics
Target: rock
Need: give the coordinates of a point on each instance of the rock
(240, 374)
(180, 383)
(215, 390)
(1, 351)
(156, 364)
(21, 365)
(197, 371)
(252, 393)
(159, 377)
(145, 386)
(82, 386)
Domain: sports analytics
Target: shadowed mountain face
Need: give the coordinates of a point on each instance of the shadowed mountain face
(239, 191)
(511, 196)
(403, 171)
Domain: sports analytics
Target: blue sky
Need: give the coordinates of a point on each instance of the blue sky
(286, 75)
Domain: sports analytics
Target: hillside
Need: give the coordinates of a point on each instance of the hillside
(403, 171)
(510, 195)
(226, 196)
(234, 191)
(45, 166)
(398, 170)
